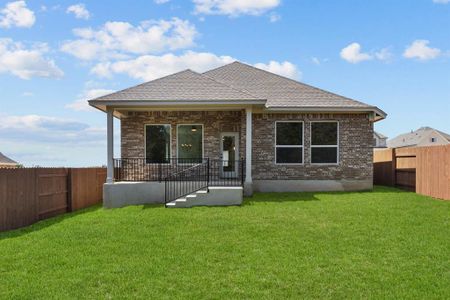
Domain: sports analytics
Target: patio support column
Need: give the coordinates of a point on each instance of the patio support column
(248, 183)
(110, 145)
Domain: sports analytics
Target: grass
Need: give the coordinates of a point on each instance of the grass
(381, 244)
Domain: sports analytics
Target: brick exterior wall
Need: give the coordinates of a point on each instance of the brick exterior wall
(132, 129)
(355, 148)
(355, 141)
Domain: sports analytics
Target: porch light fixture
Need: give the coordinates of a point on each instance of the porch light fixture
(193, 129)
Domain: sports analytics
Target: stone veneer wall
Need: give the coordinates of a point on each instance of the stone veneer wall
(355, 141)
(355, 148)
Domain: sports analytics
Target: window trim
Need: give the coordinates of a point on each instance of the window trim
(145, 143)
(337, 146)
(203, 141)
(290, 146)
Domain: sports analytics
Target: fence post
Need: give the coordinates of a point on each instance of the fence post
(394, 167)
(69, 190)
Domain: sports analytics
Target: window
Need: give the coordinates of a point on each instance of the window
(433, 140)
(289, 142)
(190, 143)
(157, 143)
(324, 142)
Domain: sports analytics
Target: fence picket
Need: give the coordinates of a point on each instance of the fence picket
(30, 194)
(425, 170)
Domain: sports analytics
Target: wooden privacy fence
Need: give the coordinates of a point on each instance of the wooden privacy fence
(425, 170)
(28, 195)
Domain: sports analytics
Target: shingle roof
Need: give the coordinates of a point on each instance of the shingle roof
(184, 85)
(279, 91)
(234, 82)
(4, 160)
(413, 138)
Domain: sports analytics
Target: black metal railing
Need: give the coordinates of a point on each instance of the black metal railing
(186, 181)
(220, 172)
(181, 176)
(226, 172)
(141, 169)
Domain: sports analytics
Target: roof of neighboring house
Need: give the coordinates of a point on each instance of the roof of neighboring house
(379, 135)
(232, 83)
(413, 138)
(4, 160)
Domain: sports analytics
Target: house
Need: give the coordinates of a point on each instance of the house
(380, 141)
(6, 162)
(206, 138)
(424, 136)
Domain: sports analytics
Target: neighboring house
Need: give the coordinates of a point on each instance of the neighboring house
(6, 162)
(232, 129)
(424, 136)
(380, 141)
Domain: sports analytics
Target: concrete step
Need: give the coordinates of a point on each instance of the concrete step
(221, 196)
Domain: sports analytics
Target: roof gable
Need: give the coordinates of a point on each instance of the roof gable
(182, 86)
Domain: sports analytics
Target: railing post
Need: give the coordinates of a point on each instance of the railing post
(165, 192)
(207, 174)
(159, 172)
(242, 171)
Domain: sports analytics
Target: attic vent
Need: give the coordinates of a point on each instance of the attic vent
(433, 140)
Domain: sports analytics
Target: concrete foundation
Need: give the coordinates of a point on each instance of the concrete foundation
(311, 185)
(121, 194)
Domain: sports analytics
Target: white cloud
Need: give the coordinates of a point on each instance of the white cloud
(79, 10)
(49, 129)
(149, 67)
(82, 104)
(318, 61)
(419, 49)
(119, 39)
(441, 1)
(234, 7)
(384, 54)
(16, 14)
(286, 69)
(27, 94)
(274, 18)
(54, 141)
(161, 1)
(27, 63)
(352, 53)
(315, 60)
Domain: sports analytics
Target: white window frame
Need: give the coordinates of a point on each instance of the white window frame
(325, 146)
(145, 143)
(302, 146)
(203, 141)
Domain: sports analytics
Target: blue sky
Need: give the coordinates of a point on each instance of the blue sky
(56, 54)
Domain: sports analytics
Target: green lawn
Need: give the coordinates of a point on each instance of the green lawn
(381, 244)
